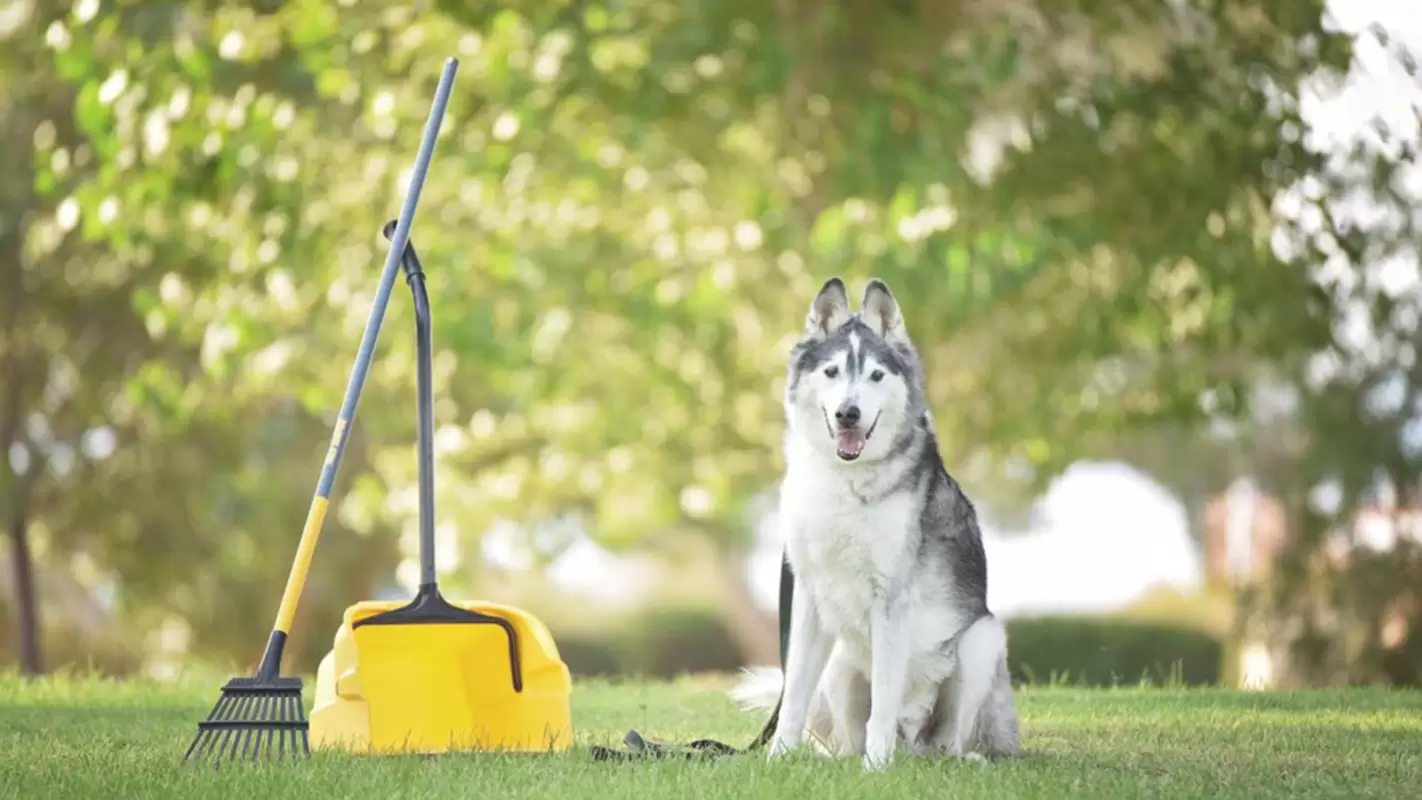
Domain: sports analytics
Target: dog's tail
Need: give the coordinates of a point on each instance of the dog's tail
(759, 689)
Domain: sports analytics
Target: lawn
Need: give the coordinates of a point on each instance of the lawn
(64, 738)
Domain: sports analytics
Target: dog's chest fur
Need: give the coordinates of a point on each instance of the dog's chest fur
(845, 552)
(852, 537)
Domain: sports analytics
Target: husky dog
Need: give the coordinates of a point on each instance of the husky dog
(891, 640)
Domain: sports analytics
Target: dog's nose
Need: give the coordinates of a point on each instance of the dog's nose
(847, 414)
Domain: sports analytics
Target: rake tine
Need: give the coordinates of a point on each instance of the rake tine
(266, 704)
(205, 749)
(264, 709)
(227, 748)
(201, 744)
(294, 713)
(253, 740)
(297, 716)
(193, 745)
(229, 751)
(228, 739)
(217, 712)
(244, 736)
(213, 745)
(219, 747)
(280, 713)
(232, 735)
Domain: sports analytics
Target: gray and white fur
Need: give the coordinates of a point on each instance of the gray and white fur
(891, 640)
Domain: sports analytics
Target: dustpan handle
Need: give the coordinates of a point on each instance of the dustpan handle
(424, 402)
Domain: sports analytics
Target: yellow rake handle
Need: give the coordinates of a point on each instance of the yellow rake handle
(296, 581)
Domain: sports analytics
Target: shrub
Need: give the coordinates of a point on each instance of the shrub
(666, 642)
(1082, 650)
(590, 655)
(66, 647)
(653, 642)
(1107, 651)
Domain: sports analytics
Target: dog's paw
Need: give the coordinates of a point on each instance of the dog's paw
(877, 759)
(919, 750)
(778, 749)
(960, 752)
(848, 750)
(872, 764)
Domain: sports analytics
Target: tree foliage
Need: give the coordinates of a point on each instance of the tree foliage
(1346, 606)
(631, 205)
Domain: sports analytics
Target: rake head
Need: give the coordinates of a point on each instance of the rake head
(255, 718)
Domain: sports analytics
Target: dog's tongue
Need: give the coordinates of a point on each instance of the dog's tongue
(850, 442)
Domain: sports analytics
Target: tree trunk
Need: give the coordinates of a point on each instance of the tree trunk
(15, 488)
(16, 370)
(26, 602)
(756, 633)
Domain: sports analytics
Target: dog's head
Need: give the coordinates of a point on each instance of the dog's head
(854, 382)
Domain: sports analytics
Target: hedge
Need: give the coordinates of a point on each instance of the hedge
(657, 643)
(1107, 651)
(1078, 650)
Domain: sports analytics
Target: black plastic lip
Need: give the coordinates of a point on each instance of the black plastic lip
(430, 608)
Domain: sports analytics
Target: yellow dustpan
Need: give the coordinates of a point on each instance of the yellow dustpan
(430, 676)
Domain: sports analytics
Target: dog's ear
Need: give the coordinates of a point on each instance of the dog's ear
(881, 311)
(830, 309)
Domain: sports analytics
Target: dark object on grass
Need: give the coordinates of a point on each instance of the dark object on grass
(638, 746)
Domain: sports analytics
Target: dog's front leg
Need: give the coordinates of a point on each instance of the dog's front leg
(888, 676)
(808, 651)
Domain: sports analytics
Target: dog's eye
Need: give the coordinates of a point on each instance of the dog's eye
(877, 375)
(831, 371)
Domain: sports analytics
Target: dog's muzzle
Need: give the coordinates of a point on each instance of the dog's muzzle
(849, 437)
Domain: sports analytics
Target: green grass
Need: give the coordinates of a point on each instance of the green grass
(79, 738)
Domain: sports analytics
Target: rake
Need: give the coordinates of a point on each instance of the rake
(262, 715)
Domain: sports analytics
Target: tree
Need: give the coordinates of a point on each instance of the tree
(1345, 609)
(1106, 276)
(615, 186)
(130, 135)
